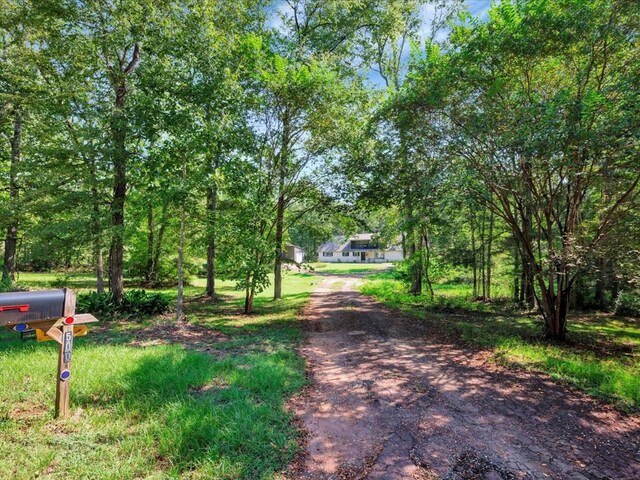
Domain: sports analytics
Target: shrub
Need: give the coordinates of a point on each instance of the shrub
(627, 303)
(134, 302)
(96, 303)
(139, 302)
(402, 271)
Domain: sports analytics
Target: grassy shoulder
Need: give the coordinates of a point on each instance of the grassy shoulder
(348, 268)
(153, 400)
(601, 357)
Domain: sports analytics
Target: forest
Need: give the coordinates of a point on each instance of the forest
(159, 158)
(158, 141)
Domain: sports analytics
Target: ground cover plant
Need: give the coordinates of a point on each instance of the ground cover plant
(152, 399)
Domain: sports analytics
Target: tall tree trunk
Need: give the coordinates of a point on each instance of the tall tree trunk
(149, 274)
(279, 235)
(211, 241)
(556, 305)
(483, 272)
(181, 251)
(474, 257)
(528, 286)
(516, 273)
(416, 285)
(489, 257)
(277, 277)
(427, 262)
(118, 79)
(416, 263)
(11, 240)
(248, 300)
(180, 267)
(116, 251)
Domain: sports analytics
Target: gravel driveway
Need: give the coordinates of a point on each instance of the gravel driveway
(392, 400)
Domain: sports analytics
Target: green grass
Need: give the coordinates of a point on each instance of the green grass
(160, 411)
(348, 268)
(602, 356)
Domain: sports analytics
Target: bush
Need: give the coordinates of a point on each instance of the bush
(627, 304)
(134, 302)
(139, 302)
(96, 303)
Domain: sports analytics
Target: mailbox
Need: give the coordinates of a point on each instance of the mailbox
(29, 307)
(52, 314)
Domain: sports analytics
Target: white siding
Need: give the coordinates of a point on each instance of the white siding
(334, 259)
(372, 256)
(393, 255)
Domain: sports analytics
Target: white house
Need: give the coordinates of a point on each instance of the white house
(358, 248)
(293, 252)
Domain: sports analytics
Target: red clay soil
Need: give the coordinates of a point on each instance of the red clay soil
(393, 401)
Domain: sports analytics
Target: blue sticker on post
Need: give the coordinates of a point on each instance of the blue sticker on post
(21, 327)
(65, 374)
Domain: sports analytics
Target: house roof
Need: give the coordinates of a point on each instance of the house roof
(343, 244)
(294, 246)
(332, 245)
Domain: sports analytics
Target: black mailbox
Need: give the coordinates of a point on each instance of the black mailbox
(24, 307)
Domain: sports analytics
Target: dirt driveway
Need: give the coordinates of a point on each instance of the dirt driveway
(393, 401)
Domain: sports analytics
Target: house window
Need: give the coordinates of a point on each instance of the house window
(345, 254)
(356, 254)
(327, 254)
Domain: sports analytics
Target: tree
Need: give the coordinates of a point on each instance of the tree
(18, 86)
(539, 105)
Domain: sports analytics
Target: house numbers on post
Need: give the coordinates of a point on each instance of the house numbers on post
(67, 342)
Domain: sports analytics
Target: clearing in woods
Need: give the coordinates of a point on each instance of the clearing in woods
(393, 400)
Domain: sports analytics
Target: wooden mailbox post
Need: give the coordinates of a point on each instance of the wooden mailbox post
(52, 314)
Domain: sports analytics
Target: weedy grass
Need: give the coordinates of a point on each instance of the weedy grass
(601, 356)
(160, 411)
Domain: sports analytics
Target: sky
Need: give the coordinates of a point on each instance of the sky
(478, 8)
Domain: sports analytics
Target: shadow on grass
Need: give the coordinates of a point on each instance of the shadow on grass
(224, 419)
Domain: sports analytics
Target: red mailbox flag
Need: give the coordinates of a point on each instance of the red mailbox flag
(20, 308)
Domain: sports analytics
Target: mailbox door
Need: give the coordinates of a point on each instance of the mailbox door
(23, 307)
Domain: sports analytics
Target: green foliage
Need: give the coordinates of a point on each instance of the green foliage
(140, 302)
(6, 285)
(395, 293)
(627, 303)
(135, 303)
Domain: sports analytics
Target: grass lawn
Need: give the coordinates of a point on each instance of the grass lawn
(348, 268)
(601, 357)
(149, 400)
